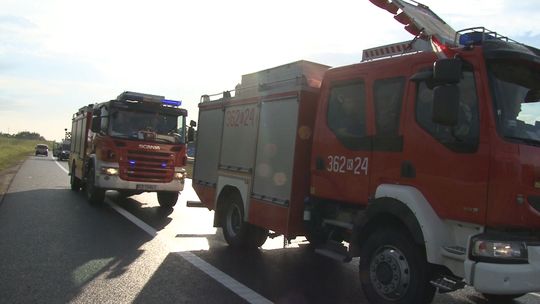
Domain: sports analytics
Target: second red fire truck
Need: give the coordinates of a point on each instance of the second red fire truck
(424, 164)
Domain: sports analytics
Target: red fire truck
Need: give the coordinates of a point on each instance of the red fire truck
(133, 144)
(424, 164)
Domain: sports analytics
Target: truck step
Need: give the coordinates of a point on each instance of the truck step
(345, 225)
(334, 250)
(447, 283)
(195, 204)
(333, 255)
(457, 250)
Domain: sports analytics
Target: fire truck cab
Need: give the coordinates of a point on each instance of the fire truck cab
(135, 143)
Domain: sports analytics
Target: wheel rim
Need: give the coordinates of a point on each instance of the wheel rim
(390, 273)
(234, 220)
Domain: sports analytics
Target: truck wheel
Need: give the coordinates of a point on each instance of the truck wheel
(256, 236)
(74, 181)
(496, 299)
(94, 194)
(237, 232)
(167, 199)
(393, 269)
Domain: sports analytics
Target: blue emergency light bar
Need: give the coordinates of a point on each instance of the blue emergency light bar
(477, 35)
(174, 103)
(474, 38)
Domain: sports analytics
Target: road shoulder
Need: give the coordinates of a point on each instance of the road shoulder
(6, 177)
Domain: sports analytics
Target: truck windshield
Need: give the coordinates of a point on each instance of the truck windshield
(516, 89)
(147, 126)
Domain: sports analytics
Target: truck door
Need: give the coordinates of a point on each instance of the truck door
(388, 96)
(342, 145)
(449, 165)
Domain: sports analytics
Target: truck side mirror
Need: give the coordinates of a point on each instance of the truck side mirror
(446, 105)
(96, 124)
(192, 123)
(447, 70)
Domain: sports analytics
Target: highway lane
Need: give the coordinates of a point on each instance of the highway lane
(63, 249)
(56, 248)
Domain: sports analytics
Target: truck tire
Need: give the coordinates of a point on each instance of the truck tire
(95, 195)
(167, 199)
(393, 269)
(74, 182)
(496, 299)
(237, 232)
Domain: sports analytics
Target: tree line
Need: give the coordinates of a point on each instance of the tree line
(23, 135)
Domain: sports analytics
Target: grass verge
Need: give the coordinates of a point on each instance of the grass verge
(13, 150)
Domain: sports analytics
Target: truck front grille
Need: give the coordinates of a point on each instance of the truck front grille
(148, 166)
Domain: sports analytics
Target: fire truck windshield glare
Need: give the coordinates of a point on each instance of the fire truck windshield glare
(516, 90)
(147, 126)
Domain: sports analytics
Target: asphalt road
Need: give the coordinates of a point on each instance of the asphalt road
(56, 248)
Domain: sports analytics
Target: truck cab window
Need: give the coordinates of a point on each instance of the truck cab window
(388, 98)
(104, 119)
(462, 137)
(516, 92)
(388, 94)
(134, 125)
(346, 114)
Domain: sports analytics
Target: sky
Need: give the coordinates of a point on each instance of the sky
(59, 55)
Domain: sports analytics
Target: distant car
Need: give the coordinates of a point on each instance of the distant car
(61, 151)
(42, 150)
(63, 154)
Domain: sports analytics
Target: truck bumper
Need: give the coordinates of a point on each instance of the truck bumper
(506, 279)
(116, 183)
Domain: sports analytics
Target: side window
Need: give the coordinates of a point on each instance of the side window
(346, 115)
(388, 98)
(465, 135)
(80, 129)
(104, 119)
(74, 136)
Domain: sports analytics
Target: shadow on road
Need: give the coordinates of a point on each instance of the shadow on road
(177, 281)
(53, 243)
(154, 216)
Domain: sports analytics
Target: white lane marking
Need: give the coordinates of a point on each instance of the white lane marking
(240, 289)
(61, 167)
(135, 220)
(224, 279)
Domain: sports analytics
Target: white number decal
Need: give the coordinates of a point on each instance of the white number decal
(342, 160)
(341, 164)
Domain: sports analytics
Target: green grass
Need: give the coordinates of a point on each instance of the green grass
(14, 150)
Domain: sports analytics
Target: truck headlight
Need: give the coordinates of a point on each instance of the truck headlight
(109, 171)
(499, 250)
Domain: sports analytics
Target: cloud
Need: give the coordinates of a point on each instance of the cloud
(15, 22)
(45, 66)
(8, 104)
